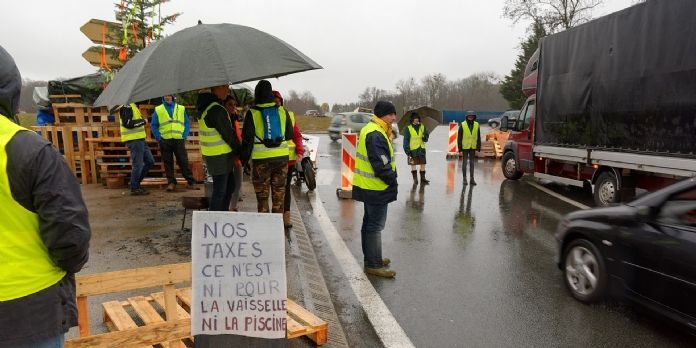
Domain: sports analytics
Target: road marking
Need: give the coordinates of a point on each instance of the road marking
(387, 328)
(557, 195)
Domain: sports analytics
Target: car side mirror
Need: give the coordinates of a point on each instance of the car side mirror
(503, 124)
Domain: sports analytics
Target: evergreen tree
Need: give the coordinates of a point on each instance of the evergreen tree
(142, 23)
(511, 88)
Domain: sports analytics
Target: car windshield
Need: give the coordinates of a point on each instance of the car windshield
(336, 120)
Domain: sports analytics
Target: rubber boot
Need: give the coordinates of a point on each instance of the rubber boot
(415, 177)
(465, 182)
(424, 181)
(381, 272)
(473, 182)
(286, 219)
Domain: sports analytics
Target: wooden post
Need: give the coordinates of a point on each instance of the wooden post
(170, 305)
(93, 162)
(83, 316)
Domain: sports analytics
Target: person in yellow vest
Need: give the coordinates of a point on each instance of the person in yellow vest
(415, 138)
(133, 135)
(44, 230)
(295, 151)
(170, 126)
(469, 141)
(265, 135)
(218, 145)
(374, 184)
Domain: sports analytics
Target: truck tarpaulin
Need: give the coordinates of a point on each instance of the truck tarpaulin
(624, 82)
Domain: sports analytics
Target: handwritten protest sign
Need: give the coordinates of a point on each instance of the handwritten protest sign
(238, 274)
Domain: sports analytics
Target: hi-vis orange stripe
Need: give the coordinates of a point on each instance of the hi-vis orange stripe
(349, 143)
(452, 149)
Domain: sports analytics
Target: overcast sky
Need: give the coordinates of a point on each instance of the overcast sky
(359, 43)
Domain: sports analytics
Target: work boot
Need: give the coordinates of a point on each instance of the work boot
(424, 181)
(192, 186)
(386, 262)
(286, 219)
(139, 192)
(381, 272)
(415, 177)
(465, 182)
(473, 182)
(171, 187)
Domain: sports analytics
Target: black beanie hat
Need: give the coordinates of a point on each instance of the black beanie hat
(263, 93)
(384, 108)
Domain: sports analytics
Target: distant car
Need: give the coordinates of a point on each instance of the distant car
(645, 251)
(353, 121)
(314, 113)
(511, 115)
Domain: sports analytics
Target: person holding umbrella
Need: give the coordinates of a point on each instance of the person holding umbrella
(265, 135)
(218, 143)
(415, 138)
(295, 150)
(170, 127)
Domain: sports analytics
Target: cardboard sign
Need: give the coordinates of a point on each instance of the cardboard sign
(239, 284)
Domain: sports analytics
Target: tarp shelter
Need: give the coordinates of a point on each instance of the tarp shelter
(429, 116)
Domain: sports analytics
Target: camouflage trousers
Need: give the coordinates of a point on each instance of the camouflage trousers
(269, 180)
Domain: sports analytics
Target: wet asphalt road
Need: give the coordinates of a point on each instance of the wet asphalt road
(475, 265)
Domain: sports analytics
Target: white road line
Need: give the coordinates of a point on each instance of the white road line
(557, 195)
(388, 329)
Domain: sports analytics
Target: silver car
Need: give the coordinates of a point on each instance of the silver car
(353, 121)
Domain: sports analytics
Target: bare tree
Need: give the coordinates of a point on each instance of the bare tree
(553, 14)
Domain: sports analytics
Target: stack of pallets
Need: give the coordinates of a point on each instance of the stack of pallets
(89, 139)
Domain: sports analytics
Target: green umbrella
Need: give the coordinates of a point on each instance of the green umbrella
(203, 56)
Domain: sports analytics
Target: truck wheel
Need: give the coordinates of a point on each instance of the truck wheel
(606, 191)
(510, 169)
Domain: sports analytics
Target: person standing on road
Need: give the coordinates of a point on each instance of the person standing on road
(468, 141)
(170, 127)
(374, 184)
(44, 230)
(265, 135)
(237, 172)
(295, 151)
(218, 144)
(415, 138)
(133, 135)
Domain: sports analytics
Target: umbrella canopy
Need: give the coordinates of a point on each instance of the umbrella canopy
(430, 117)
(203, 56)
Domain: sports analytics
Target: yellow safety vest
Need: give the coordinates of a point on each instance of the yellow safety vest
(212, 143)
(260, 151)
(171, 127)
(416, 137)
(135, 133)
(363, 175)
(291, 142)
(25, 266)
(469, 137)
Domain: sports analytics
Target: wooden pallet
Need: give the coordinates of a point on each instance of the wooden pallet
(490, 149)
(160, 318)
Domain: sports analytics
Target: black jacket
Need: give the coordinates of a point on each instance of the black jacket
(219, 119)
(41, 182)
(249, 136)
(377, 151)
(460, 134)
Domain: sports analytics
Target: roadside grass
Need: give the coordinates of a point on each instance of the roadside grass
(311, 124)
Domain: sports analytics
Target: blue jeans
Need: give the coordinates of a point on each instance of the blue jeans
(223, 186)
(53, 342)
(371, 234)
(142, 161)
